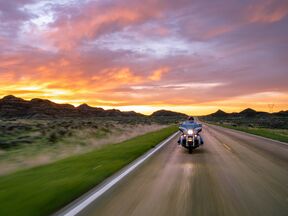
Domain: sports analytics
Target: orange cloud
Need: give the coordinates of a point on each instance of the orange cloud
(114, 77)
(157, 74)
(267, 12)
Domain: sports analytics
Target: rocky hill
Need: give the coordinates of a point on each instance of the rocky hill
(219, 113)
(245, 113)
(166, 116)
(14, 107)
(250, 117)
(167, 113)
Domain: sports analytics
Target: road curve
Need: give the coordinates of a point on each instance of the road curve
(232, 174)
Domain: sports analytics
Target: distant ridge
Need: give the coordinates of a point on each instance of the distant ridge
(249, 118)
(219, 113)
(15, 107)
(245, 113)
(163, 113)
(282, 113)
(249, 112)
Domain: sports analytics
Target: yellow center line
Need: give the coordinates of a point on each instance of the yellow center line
(227, 147)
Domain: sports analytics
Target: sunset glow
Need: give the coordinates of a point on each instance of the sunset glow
(187, 56)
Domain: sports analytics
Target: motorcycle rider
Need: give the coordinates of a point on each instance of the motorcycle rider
(184, 125)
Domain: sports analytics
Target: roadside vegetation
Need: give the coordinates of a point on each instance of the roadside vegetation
(44, 189)
(275, 134)
(27, 143)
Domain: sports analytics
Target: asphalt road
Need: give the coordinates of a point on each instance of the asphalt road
(232, 174)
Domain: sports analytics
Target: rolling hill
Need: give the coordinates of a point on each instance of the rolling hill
(15, 107)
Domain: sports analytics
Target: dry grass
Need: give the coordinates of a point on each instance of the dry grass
(80, 141)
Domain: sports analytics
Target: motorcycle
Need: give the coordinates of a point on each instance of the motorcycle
(190, 137)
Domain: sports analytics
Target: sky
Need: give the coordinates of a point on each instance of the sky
(188, 56)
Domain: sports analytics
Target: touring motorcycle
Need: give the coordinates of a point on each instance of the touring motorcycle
(190, 137)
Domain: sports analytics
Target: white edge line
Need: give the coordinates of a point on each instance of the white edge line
(254, 135)
(88, 200)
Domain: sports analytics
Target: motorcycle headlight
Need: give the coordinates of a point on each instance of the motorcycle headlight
(190, 132)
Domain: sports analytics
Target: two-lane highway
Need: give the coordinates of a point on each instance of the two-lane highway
(232, 174)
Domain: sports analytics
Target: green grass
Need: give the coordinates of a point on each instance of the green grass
(275, 134)
(45, 189)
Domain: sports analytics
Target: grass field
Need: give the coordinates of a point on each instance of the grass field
(45, 189)
(276, 134)
(26, 143)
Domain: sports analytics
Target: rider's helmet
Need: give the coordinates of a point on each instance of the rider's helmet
(190, 118)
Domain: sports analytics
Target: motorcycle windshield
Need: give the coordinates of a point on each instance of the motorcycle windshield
(190, 125)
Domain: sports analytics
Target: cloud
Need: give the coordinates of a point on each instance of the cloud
(157, 74)
(268, 12)
(13, 16)
(126, 53)
(11, 11)
(95, 19)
